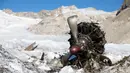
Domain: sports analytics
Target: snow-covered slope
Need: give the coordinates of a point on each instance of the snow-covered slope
(14, 38)
(14, 26)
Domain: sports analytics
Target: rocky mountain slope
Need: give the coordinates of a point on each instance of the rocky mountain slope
(118, 29)
(57, 21)
(40, 14)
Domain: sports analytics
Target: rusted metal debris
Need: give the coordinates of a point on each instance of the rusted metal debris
(31, 47)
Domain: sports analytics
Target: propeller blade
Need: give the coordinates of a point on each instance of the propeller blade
(72, 21)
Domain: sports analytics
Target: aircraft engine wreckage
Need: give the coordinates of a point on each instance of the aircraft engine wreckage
(86, 46)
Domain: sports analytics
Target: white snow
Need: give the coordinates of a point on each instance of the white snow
(68, 69)
(92, 11)
(86, 11)
(117, 51)
(15, 37)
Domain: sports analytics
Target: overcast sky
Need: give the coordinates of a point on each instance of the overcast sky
(37, 5)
